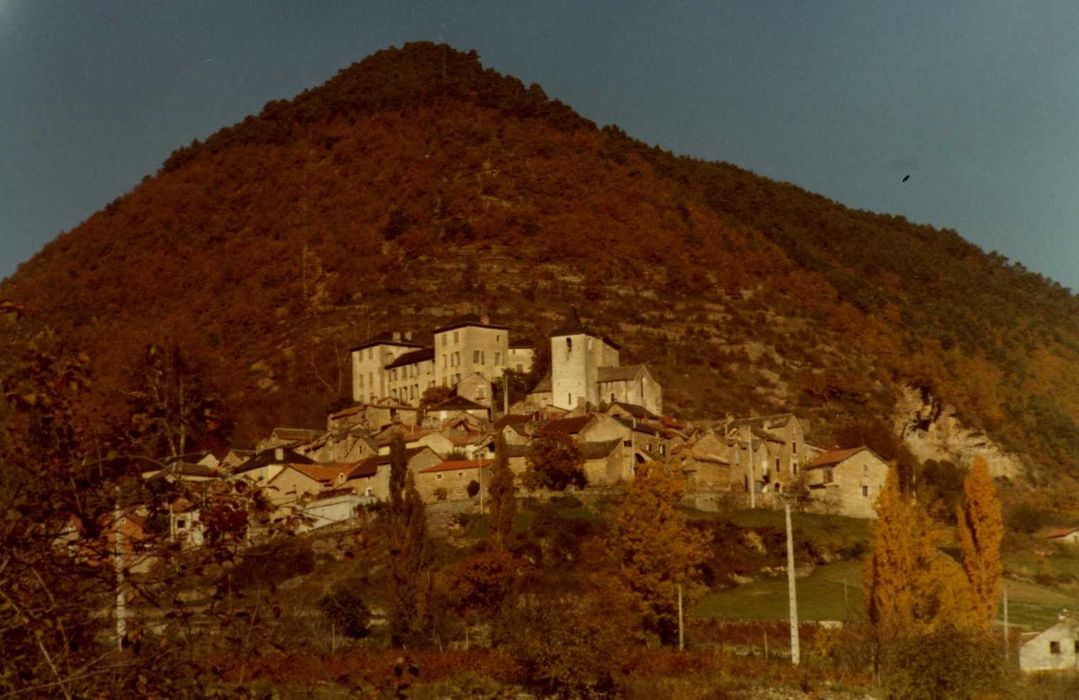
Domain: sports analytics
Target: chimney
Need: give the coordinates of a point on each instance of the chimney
(485, 319)
(397, 335)
(408, 335)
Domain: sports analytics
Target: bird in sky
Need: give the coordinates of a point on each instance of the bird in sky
(906, 177)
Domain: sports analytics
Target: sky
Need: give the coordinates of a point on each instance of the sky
(976, 100)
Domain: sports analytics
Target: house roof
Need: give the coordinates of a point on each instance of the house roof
(458, 403)
(543, 385)
(454, 465)
(619, 374)
(469, 320)
(566, 426)
(385, 339)
(834, 457)
(267, 457)
(296, 434)
(182, 469)
(369, 466)
(1060, 532)
(635, 410)
(510, 419)
(637, 427)
(323, 473)
(412, 357)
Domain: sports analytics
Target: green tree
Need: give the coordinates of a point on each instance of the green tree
(655, 550)
(503, 494)
(555, 463)
(344, 607)
(981, 529)
(410, 552)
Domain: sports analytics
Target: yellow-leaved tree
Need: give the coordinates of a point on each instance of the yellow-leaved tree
(655, 549)
(981, 529)
(913, 588)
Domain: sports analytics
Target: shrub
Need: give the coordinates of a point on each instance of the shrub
(344, 607)
(943, 665)
(473, 488)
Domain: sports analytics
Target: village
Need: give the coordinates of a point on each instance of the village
(611, 413)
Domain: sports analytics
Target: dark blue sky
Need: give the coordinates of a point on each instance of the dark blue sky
(977, 100)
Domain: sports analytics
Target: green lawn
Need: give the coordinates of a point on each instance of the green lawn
(821, 597)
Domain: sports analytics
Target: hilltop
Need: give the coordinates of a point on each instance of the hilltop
(417, 185)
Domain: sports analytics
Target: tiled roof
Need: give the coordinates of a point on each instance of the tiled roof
(412, 357)
(369, 466)
(635, 410)
(324, 473)
(565, 426)
(834, 457)
(384, 339)
(638, 427)
(267, 457)
(618, 374)
(468, 320)
(457, 465)
(458, 403)
(510, 419)
(1060, 532)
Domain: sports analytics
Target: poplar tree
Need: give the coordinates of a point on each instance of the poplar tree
(912, 587)
(410, 553)
(655, 548)
(981, 529)
(503, 494)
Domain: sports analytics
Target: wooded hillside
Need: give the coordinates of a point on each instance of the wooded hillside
(416, 185)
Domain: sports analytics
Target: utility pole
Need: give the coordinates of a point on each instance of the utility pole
(796, 654)
(505, 394)
(118, 566)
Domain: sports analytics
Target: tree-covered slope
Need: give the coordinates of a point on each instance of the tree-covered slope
(417, 185)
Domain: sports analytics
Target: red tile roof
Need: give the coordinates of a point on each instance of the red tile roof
(458, 465)
(834, 457)
(1060, 532)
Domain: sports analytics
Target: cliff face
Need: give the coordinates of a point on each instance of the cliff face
(417, 185)
(933, 430)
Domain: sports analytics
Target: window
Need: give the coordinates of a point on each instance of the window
(498, 359)
(1077, 646)
(370, 353)
(1054, 647)
(361, 381)
(627, 443)
(865, 491)
(569, 399)
(794, 447)
(520, 368)
(445, 360)
(455, 338)
(438, 477)
(828, 476)
(569, 344)
(777, 465)
(445, 339)
(456, 359)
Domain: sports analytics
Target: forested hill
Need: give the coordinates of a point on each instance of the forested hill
(416, 185)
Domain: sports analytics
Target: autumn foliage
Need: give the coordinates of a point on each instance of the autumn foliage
(981, 530)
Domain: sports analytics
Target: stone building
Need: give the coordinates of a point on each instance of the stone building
(586, 371)
(768, 451)
(393, 366)
(1054, 649)
(449, 480)
(847, 482)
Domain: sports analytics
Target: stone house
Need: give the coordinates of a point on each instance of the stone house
(333, 506)
(449, 480)
(847, 481)
(477, 389)
(453, 407)
(779, 451)
(371, 477)
(371, 380)
(705, 463)
(295, 483)
(586, 371)
(372, 416)
(1054, 649)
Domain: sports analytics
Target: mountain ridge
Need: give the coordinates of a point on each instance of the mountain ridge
(417, 185)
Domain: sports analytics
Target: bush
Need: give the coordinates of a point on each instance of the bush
(473, 488)
(945, 665)
(344, 607)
